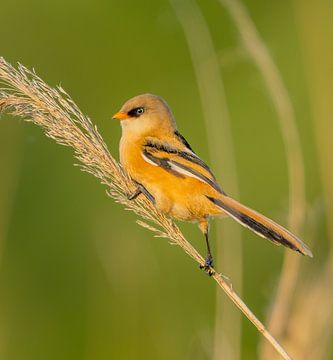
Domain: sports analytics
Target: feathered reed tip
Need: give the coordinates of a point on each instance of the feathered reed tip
(24, 94)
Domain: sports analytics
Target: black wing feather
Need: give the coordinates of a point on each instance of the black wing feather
(183, 140)
(152, 146)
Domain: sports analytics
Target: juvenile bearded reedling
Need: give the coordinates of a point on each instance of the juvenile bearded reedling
(170, 174)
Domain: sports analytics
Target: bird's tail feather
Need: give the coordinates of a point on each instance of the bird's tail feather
(260, 224)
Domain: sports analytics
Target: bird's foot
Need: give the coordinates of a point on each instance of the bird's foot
(134, 195)
(141, 190)
(208, 266)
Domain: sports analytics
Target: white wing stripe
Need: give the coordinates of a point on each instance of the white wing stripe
(148, 160)
(185, 172)
(176, 168)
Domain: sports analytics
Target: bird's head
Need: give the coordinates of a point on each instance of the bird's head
(145, 114)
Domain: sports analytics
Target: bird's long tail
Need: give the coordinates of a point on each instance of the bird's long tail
(260, 224)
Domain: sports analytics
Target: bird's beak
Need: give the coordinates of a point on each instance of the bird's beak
(121, 115)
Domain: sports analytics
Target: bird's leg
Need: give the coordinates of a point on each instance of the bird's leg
(208, 266)
(134, 194)
(209, 257)
(141, 190)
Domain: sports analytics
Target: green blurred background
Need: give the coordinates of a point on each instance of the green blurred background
(78, 278)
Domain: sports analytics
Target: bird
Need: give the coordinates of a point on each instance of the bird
(169, 173)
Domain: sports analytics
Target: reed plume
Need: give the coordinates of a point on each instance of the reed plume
(26, 95)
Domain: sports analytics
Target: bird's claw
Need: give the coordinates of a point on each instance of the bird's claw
(208, 266)
(209, 261)
(133, 195)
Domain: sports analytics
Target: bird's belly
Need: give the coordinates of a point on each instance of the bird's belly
(182, 198)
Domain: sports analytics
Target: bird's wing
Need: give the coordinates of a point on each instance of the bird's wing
(178, 158)
(181, 138)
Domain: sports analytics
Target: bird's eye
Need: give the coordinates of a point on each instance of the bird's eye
(136, 111)
(139, 110)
